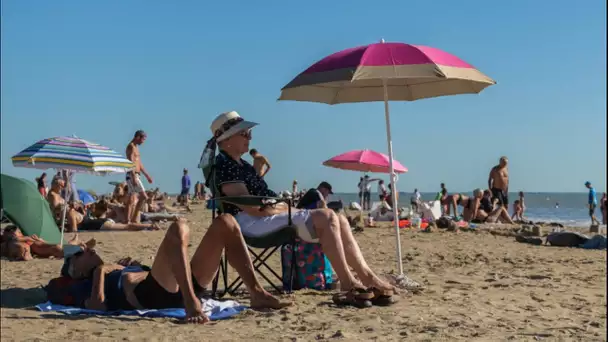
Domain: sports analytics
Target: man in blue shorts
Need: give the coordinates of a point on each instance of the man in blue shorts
(592, 201)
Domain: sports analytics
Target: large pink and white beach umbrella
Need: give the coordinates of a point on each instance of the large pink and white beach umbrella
(385, 72)
(364, 161)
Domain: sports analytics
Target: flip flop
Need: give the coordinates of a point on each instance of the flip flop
(382, 297)
(351, 298)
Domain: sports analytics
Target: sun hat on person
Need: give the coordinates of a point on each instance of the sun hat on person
(228, 124)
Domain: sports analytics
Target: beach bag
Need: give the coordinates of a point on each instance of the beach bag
(312, 270)
(68, 291)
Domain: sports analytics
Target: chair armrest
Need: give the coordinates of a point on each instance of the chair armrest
(254, 201)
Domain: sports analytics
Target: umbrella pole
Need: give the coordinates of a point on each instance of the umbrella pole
(66, 179)
(393, 181)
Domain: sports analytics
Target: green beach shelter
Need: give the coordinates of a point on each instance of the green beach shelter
(23, 205)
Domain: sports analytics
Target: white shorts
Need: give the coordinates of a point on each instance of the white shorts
(134, 184)
(253, 226)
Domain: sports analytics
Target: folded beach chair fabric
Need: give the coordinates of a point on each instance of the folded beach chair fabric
(269, 244)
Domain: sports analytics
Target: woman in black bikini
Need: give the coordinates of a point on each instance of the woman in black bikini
(172, 281)
(41, 182)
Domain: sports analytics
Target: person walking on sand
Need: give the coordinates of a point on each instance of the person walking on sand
(415, 200)
(498, 182)
(185, 188)
(592, 202)
(260, 163)
(135, 187)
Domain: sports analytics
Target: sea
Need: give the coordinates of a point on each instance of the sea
(566, 208)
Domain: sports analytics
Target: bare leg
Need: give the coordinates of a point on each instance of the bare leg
(355, 258)
(130, 226)
(131, 204)
(504, 216)
(142, 199)
(171, 270)
(46, 250)
(327, 227)
(73, 219)
(225, 233)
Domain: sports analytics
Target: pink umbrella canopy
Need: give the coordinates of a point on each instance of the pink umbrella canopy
(410, 72)
(386, 72)
(364, 161)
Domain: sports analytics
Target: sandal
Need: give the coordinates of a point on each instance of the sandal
(382, 297)
(354, 297)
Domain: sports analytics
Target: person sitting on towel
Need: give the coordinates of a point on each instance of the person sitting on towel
(172, 281)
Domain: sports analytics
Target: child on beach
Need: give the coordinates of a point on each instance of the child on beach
(518, 208)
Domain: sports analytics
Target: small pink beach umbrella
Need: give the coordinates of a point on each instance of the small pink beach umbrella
(386, 72)
(364, 161)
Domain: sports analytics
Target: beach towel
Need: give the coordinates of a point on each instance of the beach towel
(214, 309)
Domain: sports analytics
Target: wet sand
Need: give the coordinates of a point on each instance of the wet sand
(480, 287)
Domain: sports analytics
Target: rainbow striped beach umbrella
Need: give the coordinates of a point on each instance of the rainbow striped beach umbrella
(73, 154)
(386, 72)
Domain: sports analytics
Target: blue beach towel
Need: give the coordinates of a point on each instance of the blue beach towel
(215, 310)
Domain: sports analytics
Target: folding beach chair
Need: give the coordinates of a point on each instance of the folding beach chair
(269, 243)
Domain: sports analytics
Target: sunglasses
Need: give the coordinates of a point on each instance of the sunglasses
(245, 134)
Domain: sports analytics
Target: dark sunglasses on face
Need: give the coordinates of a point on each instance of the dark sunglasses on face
(245, 134)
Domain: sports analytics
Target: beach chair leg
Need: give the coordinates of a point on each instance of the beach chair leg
(259, 260)
(223, 272)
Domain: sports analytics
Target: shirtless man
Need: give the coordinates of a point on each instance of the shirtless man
(137, 192)
(260, 163)
(498, 182)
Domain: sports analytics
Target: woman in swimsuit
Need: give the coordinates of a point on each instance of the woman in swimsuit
(172, 281)
(101, 221)
(41, 181)
(479, 209)
(16, 246)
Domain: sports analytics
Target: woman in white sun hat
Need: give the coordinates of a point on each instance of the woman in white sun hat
(236, 177)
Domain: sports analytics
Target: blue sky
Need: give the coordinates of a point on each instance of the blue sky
(103, 69)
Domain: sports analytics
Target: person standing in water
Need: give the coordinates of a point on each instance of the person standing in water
(260, 162)
(592, 202)
(498, 182)
(137, 192)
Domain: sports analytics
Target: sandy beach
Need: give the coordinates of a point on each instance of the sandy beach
(480, 287)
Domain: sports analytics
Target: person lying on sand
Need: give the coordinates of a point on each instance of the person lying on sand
(480, 209)
(172, 282)
(16, 246)
(101, 221)
(236, 177)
